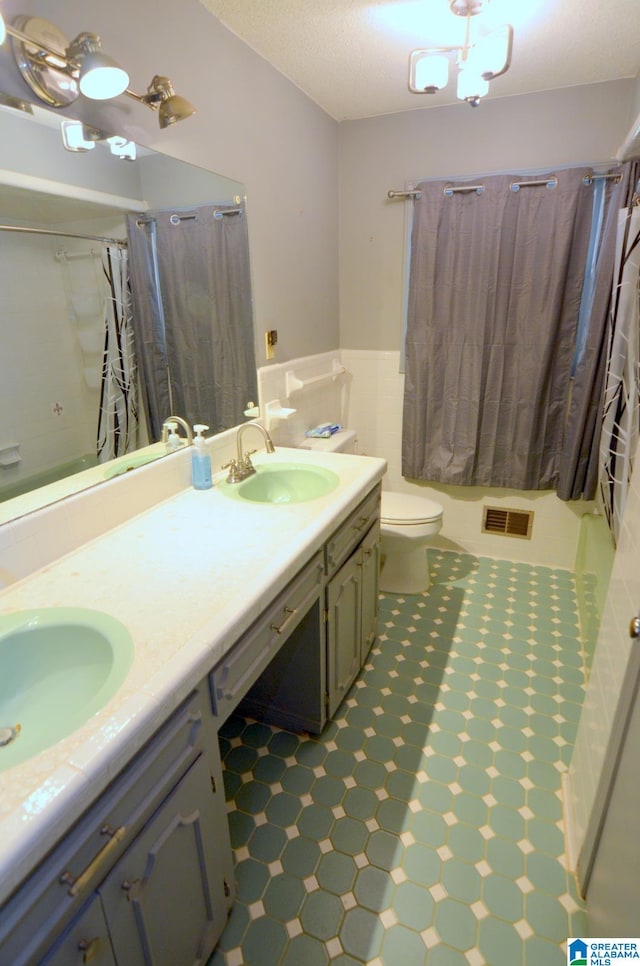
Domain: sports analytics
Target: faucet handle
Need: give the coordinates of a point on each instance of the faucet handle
(235, 471)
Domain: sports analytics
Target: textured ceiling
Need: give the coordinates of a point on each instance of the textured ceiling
(350, 56)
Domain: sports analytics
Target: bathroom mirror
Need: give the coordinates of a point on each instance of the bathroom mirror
(52, 325)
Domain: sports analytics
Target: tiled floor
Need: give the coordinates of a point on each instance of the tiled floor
(424, 825)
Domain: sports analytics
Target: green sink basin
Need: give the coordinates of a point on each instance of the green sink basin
(58, 666)
(283, 483)
(127, 463)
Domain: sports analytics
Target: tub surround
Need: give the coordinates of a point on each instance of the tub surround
(187, 577)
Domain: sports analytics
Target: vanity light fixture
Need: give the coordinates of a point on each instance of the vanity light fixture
(99, 78)
(121, 148)
(161, 97)
(74, 139)
(58, 71)
(81, 138)
(478, 61)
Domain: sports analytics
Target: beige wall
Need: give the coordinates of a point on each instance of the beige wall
(571, 126)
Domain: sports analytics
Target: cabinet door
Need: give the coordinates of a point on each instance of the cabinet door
(85, 941)
(164, 901)
(344, 630)
(370, 589)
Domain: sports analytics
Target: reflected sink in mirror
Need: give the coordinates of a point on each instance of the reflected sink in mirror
(127, 464)
(283, 483)
(58, 667)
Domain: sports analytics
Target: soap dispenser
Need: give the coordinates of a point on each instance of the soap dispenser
(173, 440)
(200, 460)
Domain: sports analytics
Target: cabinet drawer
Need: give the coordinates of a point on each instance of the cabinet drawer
(56, 890)
(240, 668)
(347, 537)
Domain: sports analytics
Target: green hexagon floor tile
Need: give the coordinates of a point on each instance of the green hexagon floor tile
(424, 826)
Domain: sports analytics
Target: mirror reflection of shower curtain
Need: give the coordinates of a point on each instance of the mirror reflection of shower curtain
(191, 293)
(118, 413)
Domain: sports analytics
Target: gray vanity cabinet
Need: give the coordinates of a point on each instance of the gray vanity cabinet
(145, 874)
(352, 601)
(370, 589)
(313, 667)
(344, 630)
(144, 877)
(164, 901)
(85, 941)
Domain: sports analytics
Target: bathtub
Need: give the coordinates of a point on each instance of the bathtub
(17, 487)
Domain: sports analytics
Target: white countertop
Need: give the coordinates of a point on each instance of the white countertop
(186, 578)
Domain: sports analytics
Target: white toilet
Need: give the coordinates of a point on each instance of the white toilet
(407, 525)
(344, 441)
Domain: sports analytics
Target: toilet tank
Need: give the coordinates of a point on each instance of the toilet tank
(344, 441)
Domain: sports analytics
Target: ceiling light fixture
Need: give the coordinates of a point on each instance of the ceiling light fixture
(478, 61)
(58, 71)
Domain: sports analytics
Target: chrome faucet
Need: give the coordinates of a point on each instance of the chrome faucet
(241, 467)
(182, 422)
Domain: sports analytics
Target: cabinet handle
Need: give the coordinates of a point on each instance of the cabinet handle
(79, 882)
(362, 522)
(131, 887)
(89, 949)
(289, 611)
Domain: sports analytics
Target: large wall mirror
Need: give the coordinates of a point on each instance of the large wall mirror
(54, 286)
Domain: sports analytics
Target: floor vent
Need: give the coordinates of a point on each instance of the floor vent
(508, 523)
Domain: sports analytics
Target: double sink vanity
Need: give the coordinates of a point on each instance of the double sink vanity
(259, 596)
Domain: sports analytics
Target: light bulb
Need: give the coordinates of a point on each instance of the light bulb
(471, 85)
(101, 81)
(428, 72)
(492, 52)
(73, 137)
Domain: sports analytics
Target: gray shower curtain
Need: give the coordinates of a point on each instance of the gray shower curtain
(192, 313)
(579, 464)
(496, 282)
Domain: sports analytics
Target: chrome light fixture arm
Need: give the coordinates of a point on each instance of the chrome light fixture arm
(58, 71)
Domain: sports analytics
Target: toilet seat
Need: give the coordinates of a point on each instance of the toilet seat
(403, 509)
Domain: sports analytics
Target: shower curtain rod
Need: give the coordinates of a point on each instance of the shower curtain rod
(176, 219)
(65, 234)
(514, 186)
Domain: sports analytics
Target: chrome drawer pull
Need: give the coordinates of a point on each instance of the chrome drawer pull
(289, 611)
(79, 882)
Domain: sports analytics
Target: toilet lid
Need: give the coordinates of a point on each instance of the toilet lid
(404, 508)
